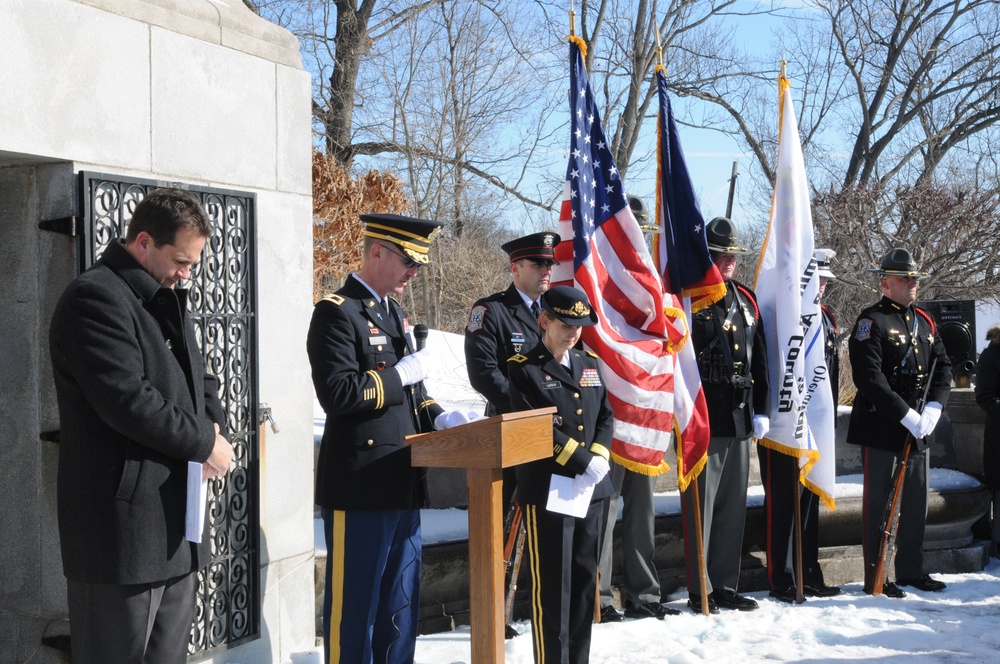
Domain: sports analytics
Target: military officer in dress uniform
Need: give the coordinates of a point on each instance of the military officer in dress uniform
(780, 476)
(506, 323)
(368, 379)
(563, 549)
(729, 342)
(892, 347)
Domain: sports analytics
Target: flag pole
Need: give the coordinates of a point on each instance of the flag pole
(799, 598)
(572, 19)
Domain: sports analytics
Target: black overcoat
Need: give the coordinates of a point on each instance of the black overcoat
(363, 463)
(135, 405)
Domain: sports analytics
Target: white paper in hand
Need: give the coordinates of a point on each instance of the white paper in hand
(566, 496)
(197, 495)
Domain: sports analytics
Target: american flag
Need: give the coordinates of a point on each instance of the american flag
(681, 251)
(604, 253)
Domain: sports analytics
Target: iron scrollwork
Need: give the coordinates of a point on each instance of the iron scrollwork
(222, 302)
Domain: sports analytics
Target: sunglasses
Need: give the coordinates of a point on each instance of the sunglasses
(408, 262)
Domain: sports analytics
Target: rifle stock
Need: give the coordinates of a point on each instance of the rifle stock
(890, 513)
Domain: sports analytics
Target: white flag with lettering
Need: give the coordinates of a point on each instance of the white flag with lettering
(787, 286)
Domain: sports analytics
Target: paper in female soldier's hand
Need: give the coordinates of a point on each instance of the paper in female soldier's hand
(570, 496)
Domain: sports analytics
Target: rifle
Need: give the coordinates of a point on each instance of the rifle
(514, 534)
(890, 514)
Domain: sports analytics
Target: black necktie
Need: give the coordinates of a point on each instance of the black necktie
(535, 309)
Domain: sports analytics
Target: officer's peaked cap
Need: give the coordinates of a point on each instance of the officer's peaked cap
(412, 235)
(570, 305)
(537, 247)
(824, 259)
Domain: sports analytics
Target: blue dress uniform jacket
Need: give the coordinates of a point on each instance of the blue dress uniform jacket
(748, 350)
(831, 353)
(135, 405)
(500, 326)
(363, 463)
(889, 377)
(583, 425)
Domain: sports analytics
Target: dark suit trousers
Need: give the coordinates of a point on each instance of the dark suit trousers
(722, 487)
(779, 474)
(878, 468)
(148, 623)
(562, 558)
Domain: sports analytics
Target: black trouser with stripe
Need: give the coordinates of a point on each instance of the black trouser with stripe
(562, 557)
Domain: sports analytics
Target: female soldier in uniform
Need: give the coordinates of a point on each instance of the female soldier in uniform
(563, 550)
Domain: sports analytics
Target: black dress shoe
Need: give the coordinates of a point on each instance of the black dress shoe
(785, 594)
(925, 583)
(649, 610)
(610, 614)
(694, 603)
(820, 590)
(730, 599)
(890, 589)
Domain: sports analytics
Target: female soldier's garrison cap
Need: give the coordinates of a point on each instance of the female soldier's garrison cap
(570, 305)
(412, 235)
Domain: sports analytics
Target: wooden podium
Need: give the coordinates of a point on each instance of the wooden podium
(484, 448)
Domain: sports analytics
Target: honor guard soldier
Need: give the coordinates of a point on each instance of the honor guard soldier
(563, 549)
(892, 348)
(732, 358)
(780, 476)
(506, 323)
(369, 381)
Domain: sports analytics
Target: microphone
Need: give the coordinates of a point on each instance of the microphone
(420, 336)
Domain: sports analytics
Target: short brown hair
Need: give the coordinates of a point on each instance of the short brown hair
(163, 212)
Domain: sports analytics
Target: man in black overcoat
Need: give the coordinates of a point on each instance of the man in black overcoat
(135, 407)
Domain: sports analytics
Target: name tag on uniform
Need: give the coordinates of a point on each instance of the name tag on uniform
(375, 341)
(550, 385)
(590, 378)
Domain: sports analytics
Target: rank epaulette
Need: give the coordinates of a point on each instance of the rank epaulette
(518, 358)
(334, 298)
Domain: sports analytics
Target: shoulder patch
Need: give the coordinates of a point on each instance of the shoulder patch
(334, 298)
(476, 317)
(518, 358)
(864, 329)
(592, 354)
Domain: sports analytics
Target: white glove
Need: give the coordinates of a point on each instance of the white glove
(761, 425)
(597, 468)
(928, 419)
(414, 367)
(454, 418)
(592, 474)
(912, 422)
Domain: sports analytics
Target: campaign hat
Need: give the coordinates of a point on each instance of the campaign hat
(537, 247)
(722, 237)
(899, 263)
(570, 305)
(412, 235)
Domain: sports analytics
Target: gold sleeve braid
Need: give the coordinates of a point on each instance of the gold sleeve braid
(563, 455)
(375, 393)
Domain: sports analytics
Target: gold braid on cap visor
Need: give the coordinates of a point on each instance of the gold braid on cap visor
(417, 252)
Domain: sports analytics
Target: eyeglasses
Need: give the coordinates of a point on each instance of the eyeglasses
(408, 262)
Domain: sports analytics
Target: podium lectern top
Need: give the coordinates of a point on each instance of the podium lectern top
(495, 442)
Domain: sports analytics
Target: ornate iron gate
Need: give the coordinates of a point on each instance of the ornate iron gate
(223, 303)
